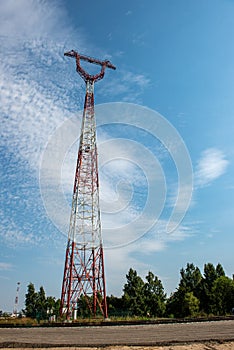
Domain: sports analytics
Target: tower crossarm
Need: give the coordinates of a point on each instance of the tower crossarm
(86, 76)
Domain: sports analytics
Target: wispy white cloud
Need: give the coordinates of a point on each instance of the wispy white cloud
(33, 95)
(122, 172)
(12, 234)
(28, 118)
(185, 194)
(211, 165)
(128, 13)
(119, 260)
(34, 100)
(32, 19)
(139, 39)
(5, 266)
(132, 185)
(127, 86)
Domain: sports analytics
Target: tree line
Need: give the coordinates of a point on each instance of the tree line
(210, 293)
(38, 305)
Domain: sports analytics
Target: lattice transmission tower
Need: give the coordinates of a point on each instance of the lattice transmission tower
(84, 277)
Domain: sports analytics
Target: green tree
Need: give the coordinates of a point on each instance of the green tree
(134, 294)
(223, 295)
(52, 306)
(115, 306)
(211, 274)
(190, 281)
(57, 307)
(190, 304)
(155, 296)
(206, 296)
(30, 301)
(38, 306)
(174, 304)
(83, 306)
(41, 305)
(219, 270)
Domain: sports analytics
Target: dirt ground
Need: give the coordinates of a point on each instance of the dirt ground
(192, 346)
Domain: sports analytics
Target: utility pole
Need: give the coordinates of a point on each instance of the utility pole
(15, 310)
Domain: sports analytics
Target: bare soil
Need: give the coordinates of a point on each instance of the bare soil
(190, 346)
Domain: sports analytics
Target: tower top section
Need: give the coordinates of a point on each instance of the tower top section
(84, 75)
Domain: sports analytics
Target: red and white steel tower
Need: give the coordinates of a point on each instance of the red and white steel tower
(84, 276)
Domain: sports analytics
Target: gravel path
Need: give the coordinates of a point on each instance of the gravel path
(100, 336)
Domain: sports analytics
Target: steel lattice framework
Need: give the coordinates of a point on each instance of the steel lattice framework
(84, 277)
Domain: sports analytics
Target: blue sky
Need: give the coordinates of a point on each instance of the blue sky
(174, 64)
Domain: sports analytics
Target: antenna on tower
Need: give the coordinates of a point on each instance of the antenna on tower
(15, 310)
(84, 277)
